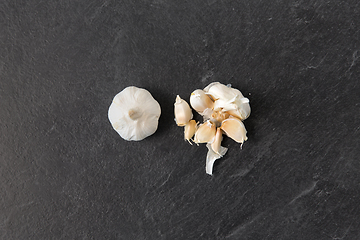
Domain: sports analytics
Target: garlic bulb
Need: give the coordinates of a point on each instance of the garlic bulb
(223, 108)
(182, 111)
(134, 113)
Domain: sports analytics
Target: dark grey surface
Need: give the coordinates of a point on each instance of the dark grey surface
(66, 174)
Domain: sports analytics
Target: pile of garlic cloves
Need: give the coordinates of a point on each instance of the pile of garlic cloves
(223, 109)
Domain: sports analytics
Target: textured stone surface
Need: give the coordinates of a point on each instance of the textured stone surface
(66, 174)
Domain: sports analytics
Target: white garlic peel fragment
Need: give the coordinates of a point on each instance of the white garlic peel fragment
(215, 151)
(182, 111)
(223, 109)
(212, 156)
(134, 114)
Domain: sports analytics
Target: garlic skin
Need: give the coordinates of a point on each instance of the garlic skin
(215, 151)
(134, 113)
(212, 156)
(234, 129)
(200, 101)
(182, 111)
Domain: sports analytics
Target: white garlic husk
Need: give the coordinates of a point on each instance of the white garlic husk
(212, 156)
(182, 111)
(200, 101)
(215, 151)
(134, 113)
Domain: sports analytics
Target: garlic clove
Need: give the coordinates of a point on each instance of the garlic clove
(212, 156)
(134, 113)
(220, 91)
(200, 101)
(205, 133)
(182, 111)
(216, 144)
(243, 109)
(189, 130)
(235, 129)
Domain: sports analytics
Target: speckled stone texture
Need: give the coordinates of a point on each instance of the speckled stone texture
(66, 174)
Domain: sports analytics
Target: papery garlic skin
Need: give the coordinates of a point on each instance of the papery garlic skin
(205, 133)
(215, 151)
(189, 130)
(134, 114)
(212, 156)
(200, 101)
(235, 129)
(182, 111)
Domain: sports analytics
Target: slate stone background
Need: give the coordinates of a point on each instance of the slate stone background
(66, 174)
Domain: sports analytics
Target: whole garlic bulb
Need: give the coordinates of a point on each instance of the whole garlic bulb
(134, 114)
